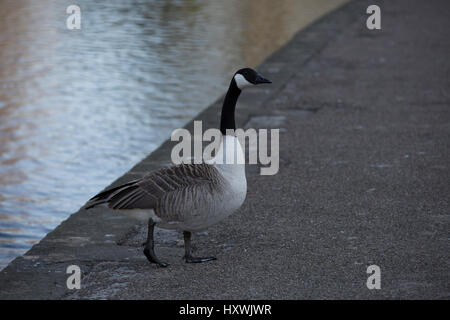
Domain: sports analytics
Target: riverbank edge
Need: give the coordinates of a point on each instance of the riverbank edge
(80, 239)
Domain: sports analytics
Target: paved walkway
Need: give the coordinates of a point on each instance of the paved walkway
(364, 179)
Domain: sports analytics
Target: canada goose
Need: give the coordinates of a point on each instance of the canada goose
(189, 197)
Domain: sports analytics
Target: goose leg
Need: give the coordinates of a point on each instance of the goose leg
(188, 255)
(149, 246)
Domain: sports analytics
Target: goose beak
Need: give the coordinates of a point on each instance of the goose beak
(260, 79)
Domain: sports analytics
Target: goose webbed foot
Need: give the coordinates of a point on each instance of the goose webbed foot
(149, 250)
(188, 248)
(150, 254)
(191, 259)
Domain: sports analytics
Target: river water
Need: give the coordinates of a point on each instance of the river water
(78, 108)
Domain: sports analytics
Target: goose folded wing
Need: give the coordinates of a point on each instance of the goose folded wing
(148, 191)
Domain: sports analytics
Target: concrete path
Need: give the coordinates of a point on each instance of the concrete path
(364, 179)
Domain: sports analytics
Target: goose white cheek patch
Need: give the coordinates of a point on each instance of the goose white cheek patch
(241, 82)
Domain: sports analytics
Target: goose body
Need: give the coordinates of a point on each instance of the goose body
(185, 197)
(189, 197)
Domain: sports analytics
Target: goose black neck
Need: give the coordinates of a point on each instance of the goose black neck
(229, 105)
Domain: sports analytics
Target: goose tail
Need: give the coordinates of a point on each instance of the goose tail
(104, 198)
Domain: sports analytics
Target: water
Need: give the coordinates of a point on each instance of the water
(78, 108)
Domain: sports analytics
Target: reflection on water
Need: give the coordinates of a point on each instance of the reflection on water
(78, 108)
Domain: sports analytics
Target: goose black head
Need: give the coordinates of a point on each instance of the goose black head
(247, 77)
(241, 79)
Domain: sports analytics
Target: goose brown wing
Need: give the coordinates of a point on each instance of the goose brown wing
(147, 192)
